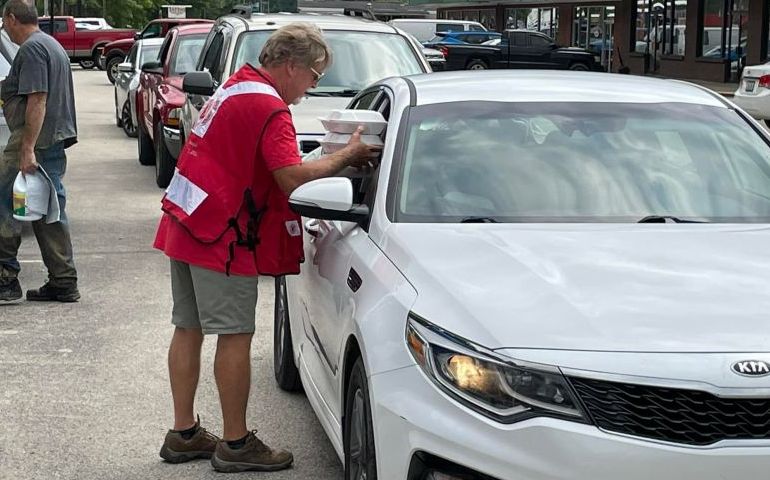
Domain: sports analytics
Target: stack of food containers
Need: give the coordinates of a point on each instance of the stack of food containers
(341, 124)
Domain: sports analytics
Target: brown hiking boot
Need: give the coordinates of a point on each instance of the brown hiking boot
(255, 455)
(176, 449)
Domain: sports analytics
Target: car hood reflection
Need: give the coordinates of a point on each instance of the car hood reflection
(611, 287)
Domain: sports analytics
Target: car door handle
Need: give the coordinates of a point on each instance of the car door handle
(313, 228)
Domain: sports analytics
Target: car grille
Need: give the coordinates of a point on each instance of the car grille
(673, 415)
(307, 146)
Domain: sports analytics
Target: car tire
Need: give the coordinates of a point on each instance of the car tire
(286, 372)
(112, 67)
(97, 60)
(87, 64)
(164, 162)
(476, 64)
(579, 67)
(128, 122)
(145, 147)
(357, 431)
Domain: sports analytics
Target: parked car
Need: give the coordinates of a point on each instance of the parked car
(127, 82)
(115, 53)
(364, 52)
(161, 98)
(8, 51)
(753, 93)
(435, 58)
(92, 23)
(518, 49)
(521, 289)
(425, 29)
(461, 38)
(82, 46)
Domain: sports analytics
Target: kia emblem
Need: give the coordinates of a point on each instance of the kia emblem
(751, 368)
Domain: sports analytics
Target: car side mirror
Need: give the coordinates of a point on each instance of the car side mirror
(198, 83)
(138, 36)
(328, 199)
(125, 67)
(153, 67)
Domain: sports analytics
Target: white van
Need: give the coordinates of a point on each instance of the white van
(425, 29)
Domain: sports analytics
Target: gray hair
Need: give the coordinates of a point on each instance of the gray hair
(301, 43)
(24, 11)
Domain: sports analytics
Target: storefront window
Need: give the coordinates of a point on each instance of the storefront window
(487, 18)
(544, 20)
(660, 27)
(725, 32)
(593, 30)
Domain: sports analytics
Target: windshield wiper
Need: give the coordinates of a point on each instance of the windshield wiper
(666, 219)
(317, 94)
(348, 92)
(479, 220)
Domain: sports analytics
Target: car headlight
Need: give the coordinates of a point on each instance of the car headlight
(486, 383)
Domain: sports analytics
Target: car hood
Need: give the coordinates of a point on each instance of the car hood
(305, 115)
(651, 288)
(125, 43)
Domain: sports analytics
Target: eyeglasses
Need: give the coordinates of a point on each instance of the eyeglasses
(318, 76)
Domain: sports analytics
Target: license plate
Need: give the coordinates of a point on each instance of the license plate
(751, 85)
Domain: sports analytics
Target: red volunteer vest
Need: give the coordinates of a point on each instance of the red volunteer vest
(210, 194)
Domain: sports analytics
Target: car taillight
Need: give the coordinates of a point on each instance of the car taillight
(444, 51)
(764, 81)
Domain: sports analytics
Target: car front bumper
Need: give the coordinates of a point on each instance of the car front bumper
(173, 139)
(412, 417)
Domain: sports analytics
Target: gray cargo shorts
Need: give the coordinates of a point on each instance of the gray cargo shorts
(212, 301)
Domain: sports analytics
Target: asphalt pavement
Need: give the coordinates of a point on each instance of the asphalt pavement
(84, 387)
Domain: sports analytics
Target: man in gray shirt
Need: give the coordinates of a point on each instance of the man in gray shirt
(39, 107)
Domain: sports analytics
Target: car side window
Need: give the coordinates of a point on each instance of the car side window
(211, 60)
(538, 41)
(476, 28)
(519, 39)
(366, 100)
(133, 54)
(152, 31)
(449, 27)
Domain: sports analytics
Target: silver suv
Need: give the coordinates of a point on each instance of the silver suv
(364, 52)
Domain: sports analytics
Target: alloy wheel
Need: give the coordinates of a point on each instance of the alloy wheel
(359, 453)
(128, 124)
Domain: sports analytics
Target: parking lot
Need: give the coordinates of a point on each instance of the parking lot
(84, 386)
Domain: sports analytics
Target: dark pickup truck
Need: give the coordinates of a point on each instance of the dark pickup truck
(518, 49)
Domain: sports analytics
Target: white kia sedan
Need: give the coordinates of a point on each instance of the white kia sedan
(550, 276)
(753, 94)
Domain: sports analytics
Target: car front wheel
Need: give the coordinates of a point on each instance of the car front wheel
(476, 65)
(127, 121)
(112, 67)
(164, 162)
(286, 373)
(358, 434)
(579, 67)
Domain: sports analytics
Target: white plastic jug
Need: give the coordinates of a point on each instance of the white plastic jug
(30, 197)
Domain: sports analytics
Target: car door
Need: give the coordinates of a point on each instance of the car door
(153, 80)
(324, 297)
(540, 51)
(517, 50)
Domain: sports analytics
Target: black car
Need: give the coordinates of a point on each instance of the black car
(518, 49)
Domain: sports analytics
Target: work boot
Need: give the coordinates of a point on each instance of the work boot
(10, 289)
(254, 455)
(50, 293)
(177, 449)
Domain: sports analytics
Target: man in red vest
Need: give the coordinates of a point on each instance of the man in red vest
(226, 220)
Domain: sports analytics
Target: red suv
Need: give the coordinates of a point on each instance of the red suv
(160, 99)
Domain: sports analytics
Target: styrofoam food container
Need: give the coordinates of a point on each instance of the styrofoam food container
(333, 142)
(346, 121)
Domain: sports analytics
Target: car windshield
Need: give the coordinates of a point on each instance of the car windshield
(360, 59)
(186, 54)
(581, 162)
(148, 53)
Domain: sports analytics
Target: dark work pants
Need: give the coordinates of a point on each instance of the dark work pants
(54, 238)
